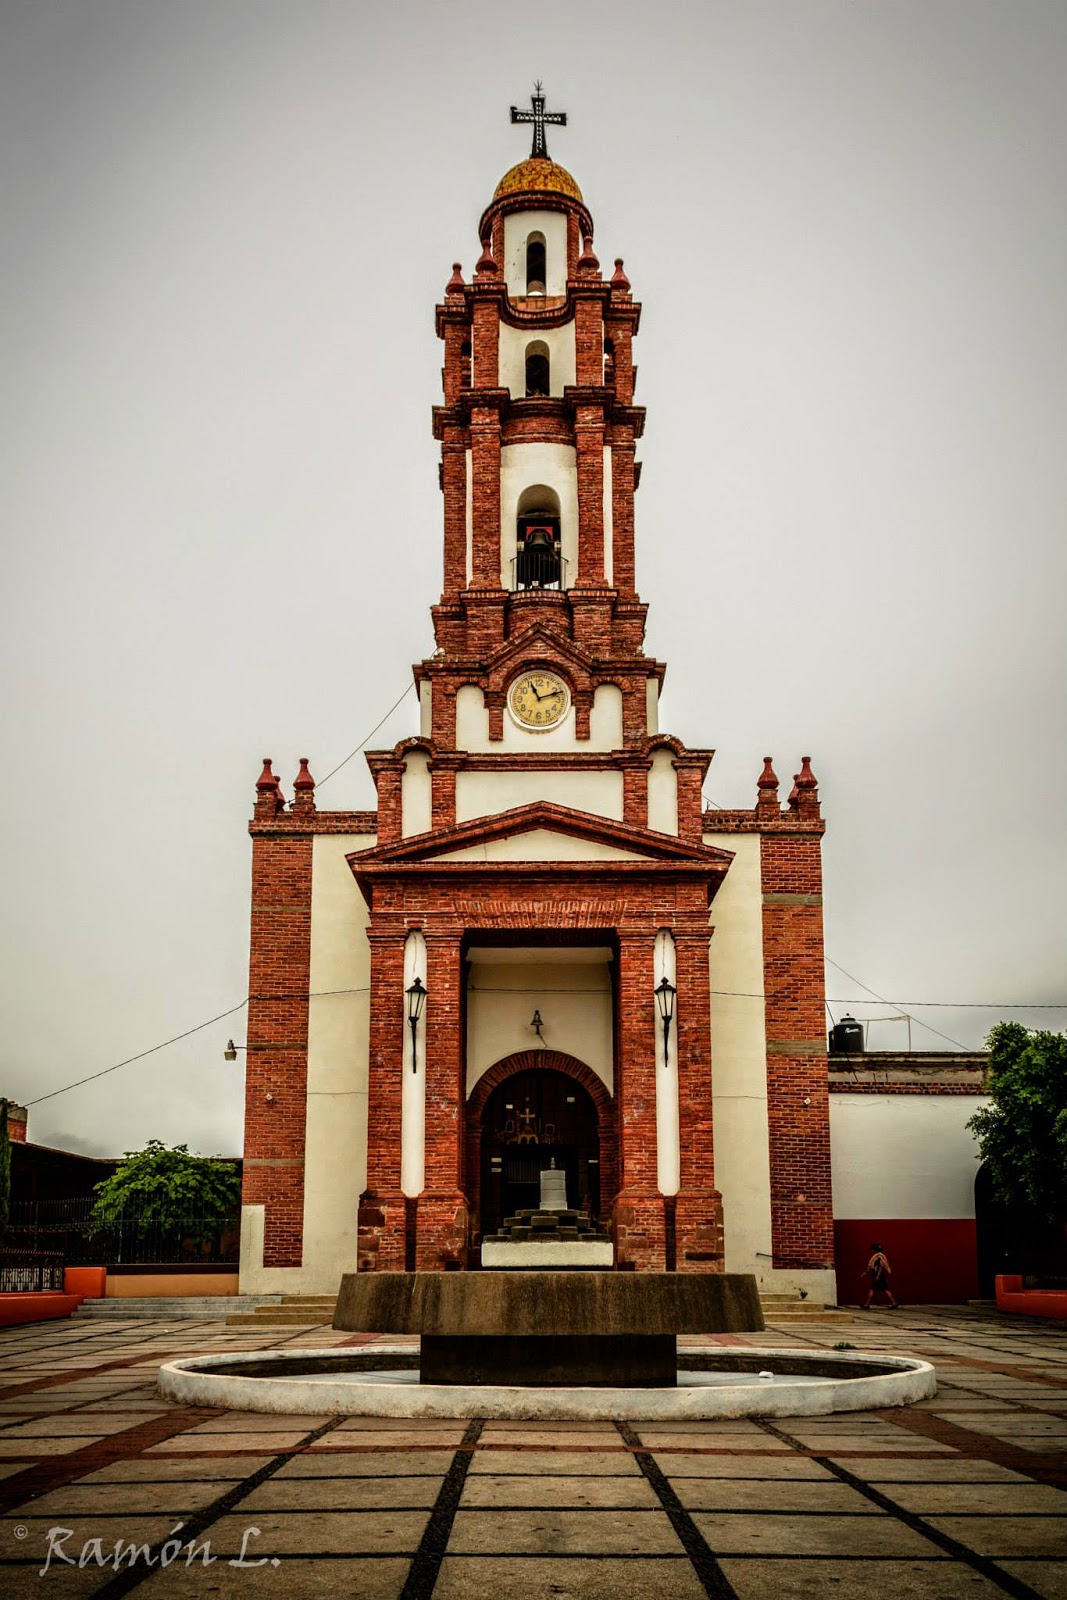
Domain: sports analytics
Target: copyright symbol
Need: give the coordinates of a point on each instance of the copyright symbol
(22, 1532)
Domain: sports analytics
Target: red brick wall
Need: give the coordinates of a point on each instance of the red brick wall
(798, 1098)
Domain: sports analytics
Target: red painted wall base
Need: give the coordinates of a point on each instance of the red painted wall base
(934, 1260)
(1011, 1296)
(29, 1307)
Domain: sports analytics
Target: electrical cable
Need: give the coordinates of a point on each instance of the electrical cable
(366, 740)
(900, 1004)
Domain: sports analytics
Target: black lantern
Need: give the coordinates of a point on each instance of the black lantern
(416, 993)
(665, 993)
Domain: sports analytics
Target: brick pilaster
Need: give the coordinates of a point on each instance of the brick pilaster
(381, 1206)
(698, 1207)
(798, 1099)
(276, 1063)
(442, 1211)
(639, 1223)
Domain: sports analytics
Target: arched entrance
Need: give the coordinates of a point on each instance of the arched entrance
(527, 1111)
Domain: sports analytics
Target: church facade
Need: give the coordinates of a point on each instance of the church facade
(540, 949)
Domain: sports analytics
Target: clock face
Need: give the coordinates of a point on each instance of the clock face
(539, 700)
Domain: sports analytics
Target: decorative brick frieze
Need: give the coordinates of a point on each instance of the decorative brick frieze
(930, 1072)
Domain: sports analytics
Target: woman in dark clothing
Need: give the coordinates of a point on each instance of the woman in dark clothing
(878, 1273)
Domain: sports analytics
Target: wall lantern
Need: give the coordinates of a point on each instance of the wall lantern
(230, 1052)
(536, 1024)
(665, 993)
(416, 994)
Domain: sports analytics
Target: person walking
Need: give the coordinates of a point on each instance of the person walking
(878, 1273)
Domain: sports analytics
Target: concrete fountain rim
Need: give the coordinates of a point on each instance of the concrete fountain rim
(193, 1381)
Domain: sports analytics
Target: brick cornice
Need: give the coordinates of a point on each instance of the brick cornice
(289, 825)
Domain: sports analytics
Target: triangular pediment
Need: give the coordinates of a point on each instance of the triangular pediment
(543, 831)
(524, 647)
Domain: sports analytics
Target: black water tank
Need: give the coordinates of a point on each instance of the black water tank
(846, 1037)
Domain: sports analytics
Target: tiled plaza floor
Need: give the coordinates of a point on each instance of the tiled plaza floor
(959, 1498)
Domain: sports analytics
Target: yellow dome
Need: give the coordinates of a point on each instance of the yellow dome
(537, 172)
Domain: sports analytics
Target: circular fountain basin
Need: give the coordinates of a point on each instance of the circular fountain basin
(383, 1381)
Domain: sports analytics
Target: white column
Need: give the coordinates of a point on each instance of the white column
(413, 1092)
(668, 1155)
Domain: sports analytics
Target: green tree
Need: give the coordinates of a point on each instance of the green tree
(161, 1185)
(1022, 1135)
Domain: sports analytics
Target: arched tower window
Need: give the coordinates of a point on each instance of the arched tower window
(535, 264)
(537, 373)
(609, 361)
(538, 562)
(465, 364)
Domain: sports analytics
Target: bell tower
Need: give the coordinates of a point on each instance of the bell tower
(538, 432)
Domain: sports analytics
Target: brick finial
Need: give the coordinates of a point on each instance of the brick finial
(807, 789)
(619, 280)
(587, 261)
(455, 284)
(486, 261)
(767, 787)
(269, 797)
(304, 788)
(794, 793)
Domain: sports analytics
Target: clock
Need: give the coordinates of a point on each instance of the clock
(539, 700)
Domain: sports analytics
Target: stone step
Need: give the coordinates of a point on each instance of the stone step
(200, 1306)
(280, 1317)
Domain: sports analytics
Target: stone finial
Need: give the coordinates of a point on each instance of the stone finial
(619, 280)
(767, 787)
(455, 284)
(486, 262)
(587, 261)
(304, 788)
(269, 797)
(807, 789)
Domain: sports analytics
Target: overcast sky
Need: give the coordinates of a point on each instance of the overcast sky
(226, 223)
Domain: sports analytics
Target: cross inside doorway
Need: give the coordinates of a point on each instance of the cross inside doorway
(539, 117)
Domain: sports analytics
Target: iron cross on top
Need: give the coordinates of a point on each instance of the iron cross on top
(539, 117)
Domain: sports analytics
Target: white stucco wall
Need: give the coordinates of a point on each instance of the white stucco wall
(413, 1082)
(517, 229)
(609, 520)
(539, 844)
(663, 793)
(571, 987)
(652, 705)
(338, 1036)
(605, 725)
(668, 1148)
(903, 1155)
(513, 346)
(481, 794)
(522, 466)
(416, 796)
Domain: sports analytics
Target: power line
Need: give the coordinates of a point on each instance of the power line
(366, 740)
(899, 1004)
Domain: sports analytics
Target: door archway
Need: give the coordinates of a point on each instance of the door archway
(526, 1111)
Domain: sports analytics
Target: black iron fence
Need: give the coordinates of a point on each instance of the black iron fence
(23, 1271)
(64, 1229)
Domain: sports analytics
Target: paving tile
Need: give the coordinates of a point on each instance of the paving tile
(857, 1580)
(679, 1467)
(34, 1545)
(349, 1433)
(1008, 1536)
(742, 1494)
(566, 1463)
(250, 1422)
(954, 1469)
(543, 1438)
(154, 1469)
(80, 1499)
(351, 1533)
(272, 1442)
(44, 1447)
(1049, 1578)
(756, 1441)
(344, 1494)
(996, 1499)
(294, 1578)
(366, 1464)
(23, 1582)
(571, 1492)
(544, 1533)
(833, 1535)
(75, 1424)
(528, 1578)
